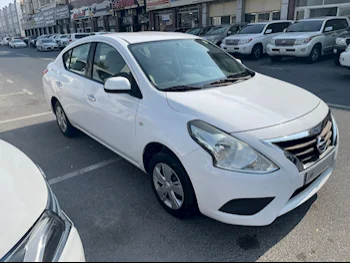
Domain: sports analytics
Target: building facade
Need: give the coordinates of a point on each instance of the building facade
(131, 15)
(10, 20)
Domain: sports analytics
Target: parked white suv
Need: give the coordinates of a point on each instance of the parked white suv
(309, 38)
(253, 38)
(344, 59)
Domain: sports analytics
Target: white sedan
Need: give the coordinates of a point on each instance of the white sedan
(17, 43)
(345, 58)
(241, 147)
(33, 227)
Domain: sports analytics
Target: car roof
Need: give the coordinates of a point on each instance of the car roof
(140, 37)
(323, 18)
(271, 22)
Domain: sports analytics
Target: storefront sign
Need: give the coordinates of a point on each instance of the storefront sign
(62, 12)
(157, 4)
(102, 9)
(81, 13)
(128, 4)
(165, 18)
(45, 18)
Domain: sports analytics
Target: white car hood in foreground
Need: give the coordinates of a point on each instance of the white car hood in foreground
(296, 35)
(23, 196)
(249, 105)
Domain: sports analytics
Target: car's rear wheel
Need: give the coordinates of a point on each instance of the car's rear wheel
(315, 54)
(276, 58)
(63, 123)
(172, 185)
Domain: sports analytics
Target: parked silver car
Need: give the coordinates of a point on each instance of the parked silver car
(46, 45)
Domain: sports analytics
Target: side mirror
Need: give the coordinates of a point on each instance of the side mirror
(328, 29)
(117, 85)
(238, 60)
(268, 31)
(229, 33)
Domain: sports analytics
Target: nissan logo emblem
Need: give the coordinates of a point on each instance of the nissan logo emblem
(321, 144)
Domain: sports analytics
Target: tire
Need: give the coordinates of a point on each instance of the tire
(62, 121)
(312, 58)
(256, 52)
(275, 59)
(185, 199)
(336, 59)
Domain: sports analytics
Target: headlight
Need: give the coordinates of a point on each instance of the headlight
(228, 152)
(302, 41)
(341, 41)
(348, 48)
(272, 42)
(244, 41)
(47, 238)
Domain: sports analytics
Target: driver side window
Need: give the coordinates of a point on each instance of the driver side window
(108, 63)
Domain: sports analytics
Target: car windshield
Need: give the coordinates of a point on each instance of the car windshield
(218, 30)
(189, 63)
(48, 41)
(252, 29)
(306, 26)
(17, 41)
(64, 36)
(194, 31)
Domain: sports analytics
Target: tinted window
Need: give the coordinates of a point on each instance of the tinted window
(108, 63)
(306, 26)
(218, 30)
(79, 59)
(340, 24)
(80, 36)
(66, 58)
(278, 27)
(47, 41)
(331, 23)
(252, 29)
(205, 30)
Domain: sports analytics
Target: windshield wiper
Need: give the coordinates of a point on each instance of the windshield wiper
(232, 78)
(181, 88)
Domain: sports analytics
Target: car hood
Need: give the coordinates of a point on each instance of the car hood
(294, 35)
(249, 105)
(23, 196)
(243, 36)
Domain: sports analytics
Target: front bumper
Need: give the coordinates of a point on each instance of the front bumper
(265, 197)
(49, 48)
(345, 59)
(73, 250)
(239, 49)
(289, 51)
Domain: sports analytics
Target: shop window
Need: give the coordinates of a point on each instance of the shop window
(320, 12)
(216, 21)
(262, 17)
(332, 2)
(225, 20)
(276, 15)
(250, 18)
(300, 15)
(188, 19)
(308, 2)
(345, 11)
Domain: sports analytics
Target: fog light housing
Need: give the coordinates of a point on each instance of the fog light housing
(303, 50)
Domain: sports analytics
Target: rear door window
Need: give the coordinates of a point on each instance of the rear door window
(78, 59)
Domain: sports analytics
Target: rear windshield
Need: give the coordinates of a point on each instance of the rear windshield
(81, 36)
(306, 26)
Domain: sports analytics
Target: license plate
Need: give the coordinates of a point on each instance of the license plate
(230, 49)
(319, 168)
(282, 50)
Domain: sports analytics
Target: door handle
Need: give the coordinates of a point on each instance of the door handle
(58, 84)
(91, 98)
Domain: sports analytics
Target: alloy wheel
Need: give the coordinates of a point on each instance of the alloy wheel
(168, 186)
(315, 54)
(61, 119)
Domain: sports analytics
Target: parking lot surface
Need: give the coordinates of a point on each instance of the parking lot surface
(111, 202)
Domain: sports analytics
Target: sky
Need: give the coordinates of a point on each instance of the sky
(4, 3)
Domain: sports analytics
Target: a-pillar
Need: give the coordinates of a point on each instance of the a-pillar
(240, 12)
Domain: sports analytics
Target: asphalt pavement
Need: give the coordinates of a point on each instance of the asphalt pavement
(111, 202)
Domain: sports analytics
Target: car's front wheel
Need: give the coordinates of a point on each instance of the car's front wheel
(172, 185)
(314, 55)
(63, 123)
(257, 52)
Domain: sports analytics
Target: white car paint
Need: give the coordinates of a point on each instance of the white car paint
(261, 38)
(255, 111)
(16, 43)
(325, 39)
(25, 197)
(345, 58)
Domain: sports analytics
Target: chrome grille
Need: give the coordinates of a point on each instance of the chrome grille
(232, 42)
(285, 42)
(309, 149)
